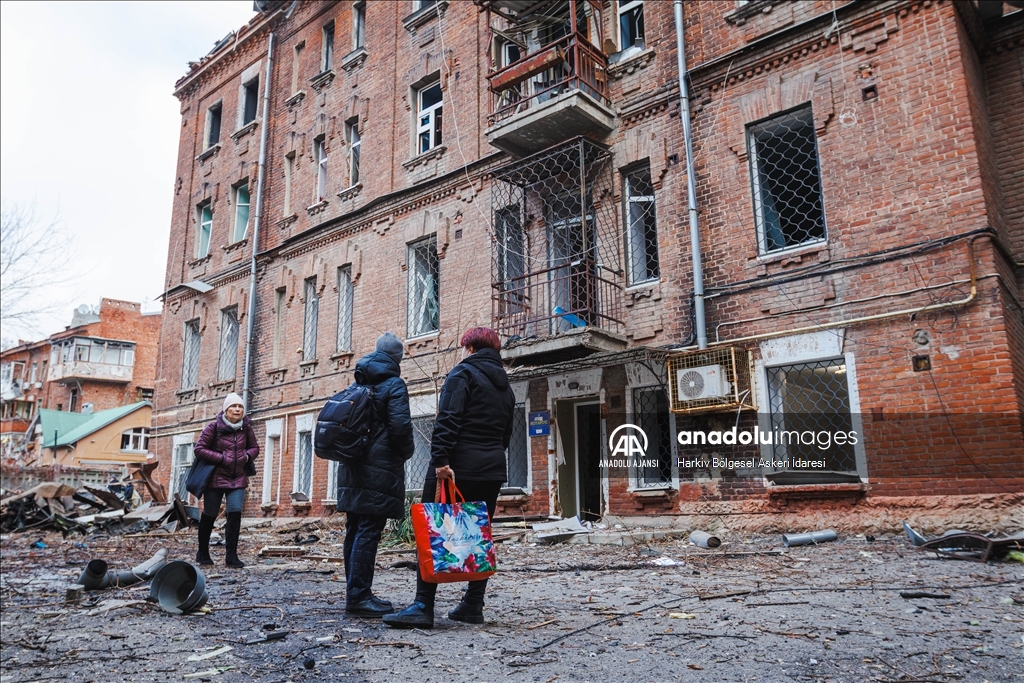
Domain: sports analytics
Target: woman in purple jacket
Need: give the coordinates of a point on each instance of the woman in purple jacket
(229, 443)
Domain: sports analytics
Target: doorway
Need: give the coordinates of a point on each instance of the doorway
(579, 473)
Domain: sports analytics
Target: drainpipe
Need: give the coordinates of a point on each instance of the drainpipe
(261, 169)
(691, 187)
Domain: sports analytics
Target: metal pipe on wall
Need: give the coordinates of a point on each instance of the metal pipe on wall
(691, 184)
(261, 170)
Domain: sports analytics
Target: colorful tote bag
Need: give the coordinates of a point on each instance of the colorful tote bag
(453, 540)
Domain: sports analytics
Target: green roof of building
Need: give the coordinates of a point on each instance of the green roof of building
(72, 427)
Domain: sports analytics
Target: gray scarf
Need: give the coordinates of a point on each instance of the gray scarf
(234, 425)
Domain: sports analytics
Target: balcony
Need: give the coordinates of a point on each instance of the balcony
(550, 82)
(94, 372)
(557, 278)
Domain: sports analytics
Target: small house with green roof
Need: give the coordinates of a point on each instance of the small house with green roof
(118, 436)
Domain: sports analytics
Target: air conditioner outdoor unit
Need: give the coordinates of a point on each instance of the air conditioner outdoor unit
(708, 381)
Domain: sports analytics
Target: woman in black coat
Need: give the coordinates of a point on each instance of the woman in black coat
(373, 489)
(471, 434)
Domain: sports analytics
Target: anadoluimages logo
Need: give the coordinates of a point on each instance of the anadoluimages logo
(627, 442)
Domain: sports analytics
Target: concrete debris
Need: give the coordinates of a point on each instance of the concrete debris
(281, 551)
(560, 531)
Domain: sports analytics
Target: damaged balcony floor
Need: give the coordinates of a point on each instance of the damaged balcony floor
(555, 613)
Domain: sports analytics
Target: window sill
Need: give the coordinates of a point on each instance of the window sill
(342, 359)
(741, 15)
(222, 388)
(211, 152)
(201, 261)
(244, 130)
(235, 246)
(659, 491)
(817, 491)
(277, 375)
(428, 156)
(307, 368)
(629, 61)
(426, 336)
(300, 505)
(287, 220)
(796, 253)
(319, 207)
(422, 16)
(295, 99)
(187, 395)
(350, 192)
(355, 59)
(322, 80)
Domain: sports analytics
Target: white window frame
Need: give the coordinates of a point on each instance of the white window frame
(310, 318)
(650, 382)
(137, 436)
(631, 232)
(304, 424)
(431, 113)
(354, 140)
(249, 85)
(419, 288)
(238, 236)
(181, 441)
(204, 235)
(190, 326)
(271, 451)
(327, 47)
(624, 7)
(343, 341)
(227, 357)
(320, 156)
(331, 495)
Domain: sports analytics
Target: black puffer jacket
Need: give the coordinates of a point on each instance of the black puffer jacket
(376, 486)
(474, 420)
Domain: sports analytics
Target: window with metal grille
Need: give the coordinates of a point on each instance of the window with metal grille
(250, 100)
(518, 454)
(136, 440)
(228, 358)
(354, 143)
(310, 320)
(182, 461)
(344, 342)
(241, 212)
(416, 467)
(358, 25)
(572, 256)
(327, 53)
(205, 230)
(424, 312)
(320, 155)
(304, 465)
(631, 24)
(213, 124)
(651, 414)
(788, 206)
(510, 260)
(332, 481)
(811, 397)
(429, 117)
(190, 356)
(641, 227)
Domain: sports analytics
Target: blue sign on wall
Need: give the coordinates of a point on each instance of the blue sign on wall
(540, 423)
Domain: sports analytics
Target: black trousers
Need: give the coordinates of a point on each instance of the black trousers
(362, 536)
(486, 491)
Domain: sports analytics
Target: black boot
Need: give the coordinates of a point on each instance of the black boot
(231, 529)
(205, 529)
(467, 613)
(416, 615)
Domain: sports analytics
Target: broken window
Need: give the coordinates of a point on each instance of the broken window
(354, 140)
(641, 227)
(250, 100)
(205, 229)
(190, 357)
(228, 359)
(344, 309)
(631, 24)
(310, 320)
(135, 440)
(788, 206)
(517, 456)
(429, 117)
(416, 467)
(815, 398)
(358, 25)
(304, 465)
(320, 156)
(423, 314)
(241, 212)
(651, 414)
(213, 125)
(182, 461)
(327, 53)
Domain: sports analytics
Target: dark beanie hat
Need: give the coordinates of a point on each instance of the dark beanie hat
(391, 345)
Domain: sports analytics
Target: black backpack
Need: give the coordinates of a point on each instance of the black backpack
(345, 426)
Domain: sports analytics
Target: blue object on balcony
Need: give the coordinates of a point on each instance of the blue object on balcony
(570, 318)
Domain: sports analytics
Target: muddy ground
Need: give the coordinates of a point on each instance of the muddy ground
(554, 613)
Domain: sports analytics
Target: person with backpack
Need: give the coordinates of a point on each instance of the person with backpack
(229, 443)
(371, 486)
(472, 431)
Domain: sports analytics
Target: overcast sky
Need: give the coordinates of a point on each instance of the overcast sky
(90, 127)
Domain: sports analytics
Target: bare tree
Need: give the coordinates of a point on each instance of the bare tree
(35, 261)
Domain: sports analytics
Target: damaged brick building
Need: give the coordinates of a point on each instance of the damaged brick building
(426, 166)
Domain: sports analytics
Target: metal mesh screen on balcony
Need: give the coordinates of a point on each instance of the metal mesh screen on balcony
(788, 206)
(651, 414)
(557, 245)
(811, 397)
